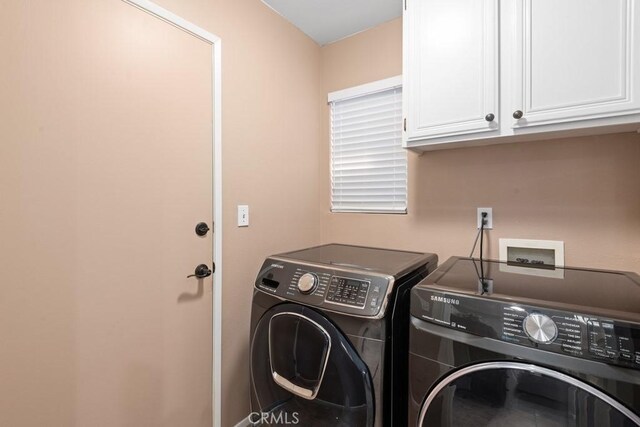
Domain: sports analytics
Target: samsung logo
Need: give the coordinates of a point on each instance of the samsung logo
(277, 265)
(445, 300)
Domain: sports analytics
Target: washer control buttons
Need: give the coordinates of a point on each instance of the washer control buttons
(348, 291)
(540, 328)
(307, 283)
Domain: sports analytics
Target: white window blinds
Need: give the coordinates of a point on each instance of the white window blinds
(368, 163)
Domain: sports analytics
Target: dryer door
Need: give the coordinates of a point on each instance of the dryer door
(519, 394)
(305, 371)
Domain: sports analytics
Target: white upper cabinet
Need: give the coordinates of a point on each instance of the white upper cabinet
(488, 71)
(575, 60)
(453, 47)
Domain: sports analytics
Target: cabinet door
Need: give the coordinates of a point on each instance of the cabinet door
(575, 60)
(450, 67)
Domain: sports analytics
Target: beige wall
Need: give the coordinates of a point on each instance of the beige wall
(271, 143)
(584, 191)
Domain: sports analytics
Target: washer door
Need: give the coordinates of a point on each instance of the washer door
(305, 371)
(519, 394)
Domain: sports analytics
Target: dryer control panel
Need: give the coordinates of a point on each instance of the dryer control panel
(580, 335)
(336, 289)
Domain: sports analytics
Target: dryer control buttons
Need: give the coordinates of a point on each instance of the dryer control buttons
(307, 283)
(540, 328)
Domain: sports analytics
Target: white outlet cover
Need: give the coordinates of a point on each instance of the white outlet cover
(489, 224)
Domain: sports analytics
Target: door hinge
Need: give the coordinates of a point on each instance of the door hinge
(405, 124)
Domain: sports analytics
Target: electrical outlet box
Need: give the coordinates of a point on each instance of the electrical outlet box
(485, 286)
(488, 225)
(532, 257)
(534, 252)
(243, 215)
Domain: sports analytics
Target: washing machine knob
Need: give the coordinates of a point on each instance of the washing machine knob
(307, 283)
(540, 328)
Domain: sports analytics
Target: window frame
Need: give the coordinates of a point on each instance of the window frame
(355, 92)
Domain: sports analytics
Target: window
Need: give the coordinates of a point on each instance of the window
(368, 163)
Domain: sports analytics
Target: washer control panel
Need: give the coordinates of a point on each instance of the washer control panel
(345, 290)
(577, 334)
(361, 294)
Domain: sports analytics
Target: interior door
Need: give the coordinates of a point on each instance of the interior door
(575, 60)
(105, 170)
(451, 67)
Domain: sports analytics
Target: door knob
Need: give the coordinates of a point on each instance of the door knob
(202, 229)
(517, 114)
(202, 271)
(489, 117)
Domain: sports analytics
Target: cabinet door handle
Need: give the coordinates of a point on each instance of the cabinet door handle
(517, 114)
(489, 117)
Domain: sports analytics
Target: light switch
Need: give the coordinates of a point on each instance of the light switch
(243, 215)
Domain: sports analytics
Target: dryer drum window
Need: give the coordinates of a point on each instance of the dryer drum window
(302, 364)
(510, 393)
(299, 350)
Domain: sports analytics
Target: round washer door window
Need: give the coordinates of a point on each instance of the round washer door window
(306, 372)
(523, 395)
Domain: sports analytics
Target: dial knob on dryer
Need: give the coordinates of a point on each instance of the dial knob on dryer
(540, 328)
(307, 283)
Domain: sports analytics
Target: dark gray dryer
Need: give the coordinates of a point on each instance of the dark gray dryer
(524, 347)
(329, 336)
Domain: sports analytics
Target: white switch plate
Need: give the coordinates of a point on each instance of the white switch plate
(243, 215)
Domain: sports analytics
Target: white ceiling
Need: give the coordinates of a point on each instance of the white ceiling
(327, 21)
